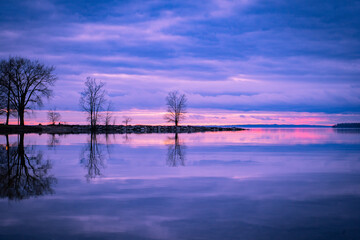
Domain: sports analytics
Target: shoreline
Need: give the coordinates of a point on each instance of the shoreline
(112, 129)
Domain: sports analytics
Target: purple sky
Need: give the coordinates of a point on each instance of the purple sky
(237, 61)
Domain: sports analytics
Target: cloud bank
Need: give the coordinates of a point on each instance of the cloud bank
(267, 56)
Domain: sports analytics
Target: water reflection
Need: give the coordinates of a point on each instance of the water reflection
(92, 158)
(53, 141)
(23, 172)
(176, 152)
(268, 184)
(126, 138)
(347, 130)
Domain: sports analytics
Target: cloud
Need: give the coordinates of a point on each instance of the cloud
(226, 8)
(128, 34)
(233, 55)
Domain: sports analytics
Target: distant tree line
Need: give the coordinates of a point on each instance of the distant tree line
(347, 125)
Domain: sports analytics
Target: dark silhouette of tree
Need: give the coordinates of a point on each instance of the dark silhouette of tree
(53, 116)
(126, 121)
(176, 107)
(4, 92)
(23, 173)
(92, 158)
(176, 153)
(3, 101)
(109, 114)
(26, 83)
(92, 100)
(6, 105)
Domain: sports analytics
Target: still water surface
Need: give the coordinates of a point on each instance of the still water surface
(256, 184)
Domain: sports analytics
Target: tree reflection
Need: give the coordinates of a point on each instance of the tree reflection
(126, 138)
(53, 141)
(92, 158)
(176, 152)
(23, 172)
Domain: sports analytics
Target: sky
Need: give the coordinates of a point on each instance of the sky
(238, 62)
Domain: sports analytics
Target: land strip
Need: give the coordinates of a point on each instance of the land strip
(75, 129)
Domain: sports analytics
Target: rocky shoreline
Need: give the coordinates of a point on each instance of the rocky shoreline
(119, 129)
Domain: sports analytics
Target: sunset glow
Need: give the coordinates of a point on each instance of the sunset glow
(204, 117)
(238, 62)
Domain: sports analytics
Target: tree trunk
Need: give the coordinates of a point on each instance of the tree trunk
(8, 109)
(7, 116)
(21, 116)
(92, 120)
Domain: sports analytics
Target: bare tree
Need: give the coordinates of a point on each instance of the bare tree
(26, 83)
(5, 88)
(53, 116)
(3, 100)
(92, 100)
(176, 107)
(127, 120)
(108, 114)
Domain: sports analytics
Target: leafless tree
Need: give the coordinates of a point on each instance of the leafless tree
(5, 89)
(53, 116)
(92, 100)
(26, 82)
(127, 120)
(3, 105)
(176, 107)
(108, 114)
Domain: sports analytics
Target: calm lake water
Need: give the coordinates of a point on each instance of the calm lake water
(256, 184)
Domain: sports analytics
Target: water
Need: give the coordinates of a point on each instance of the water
(257, 184)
